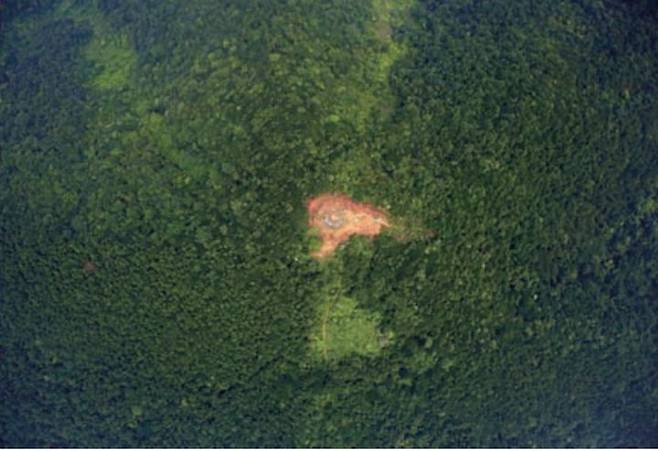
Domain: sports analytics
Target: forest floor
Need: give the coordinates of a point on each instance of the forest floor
(337, 217)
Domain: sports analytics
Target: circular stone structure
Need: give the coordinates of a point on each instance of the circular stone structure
(337, 217)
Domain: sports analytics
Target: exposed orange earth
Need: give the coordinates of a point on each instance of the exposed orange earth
(337, 217)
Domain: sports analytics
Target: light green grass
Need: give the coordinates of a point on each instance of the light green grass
(112, 54)
(344, 329)
(368, 92)
(114, 57)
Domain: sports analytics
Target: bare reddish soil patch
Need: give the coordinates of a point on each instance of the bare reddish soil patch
(337, 217)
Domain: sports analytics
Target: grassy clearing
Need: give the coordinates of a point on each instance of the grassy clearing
(111, 53)
(346, 330)
(343, 329)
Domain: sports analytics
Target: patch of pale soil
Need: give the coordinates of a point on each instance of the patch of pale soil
(337, 217)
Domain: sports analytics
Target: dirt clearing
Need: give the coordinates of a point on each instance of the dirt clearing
(337, 217)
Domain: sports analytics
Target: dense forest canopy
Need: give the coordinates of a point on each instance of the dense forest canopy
(156, 283)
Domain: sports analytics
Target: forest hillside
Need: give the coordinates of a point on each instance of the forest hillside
(157, 282)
